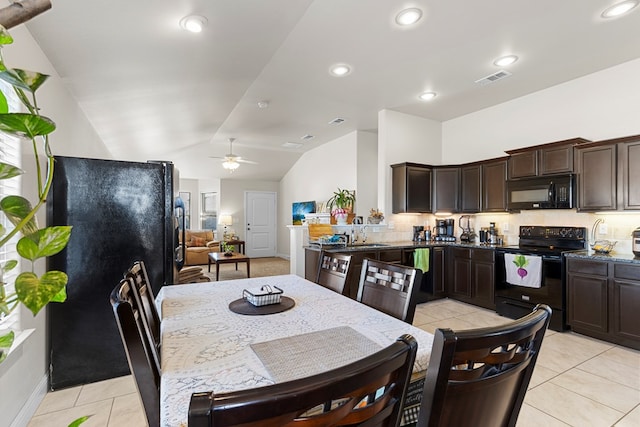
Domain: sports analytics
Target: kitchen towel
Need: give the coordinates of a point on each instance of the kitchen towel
(523, 270)
(421, 259)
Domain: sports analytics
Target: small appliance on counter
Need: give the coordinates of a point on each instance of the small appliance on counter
(635, 242)
(467, 235)
(418, 233)
(445, 230)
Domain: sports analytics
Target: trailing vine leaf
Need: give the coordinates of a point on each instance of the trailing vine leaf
(5, 37)
(27, 124)
(9, 265)
(4, 105)
(16, 208)
(44, 242)
(8, 171)
(6, 341)
(79, 421)
(32, 79)
(36, 292)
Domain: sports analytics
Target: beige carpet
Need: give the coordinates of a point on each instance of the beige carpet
(260, 267)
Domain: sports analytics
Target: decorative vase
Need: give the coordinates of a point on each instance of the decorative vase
(341, 218)
(374, 220)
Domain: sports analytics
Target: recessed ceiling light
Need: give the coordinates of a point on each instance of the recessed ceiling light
(263, 104)
(193, 23)
(340, 70)
(408, 16)
(619, 9)
(427, 96)
(503, 61)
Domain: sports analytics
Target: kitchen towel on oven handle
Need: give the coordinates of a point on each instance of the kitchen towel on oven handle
(523, 270)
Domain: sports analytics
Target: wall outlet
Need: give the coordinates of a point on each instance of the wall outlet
(391, 225)
(505, 227)
(602, 228)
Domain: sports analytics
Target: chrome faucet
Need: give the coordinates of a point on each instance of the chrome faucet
(364, 233)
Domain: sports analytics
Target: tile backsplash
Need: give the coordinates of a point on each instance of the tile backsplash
(618, 225)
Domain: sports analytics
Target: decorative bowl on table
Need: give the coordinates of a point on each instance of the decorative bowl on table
(603, 246)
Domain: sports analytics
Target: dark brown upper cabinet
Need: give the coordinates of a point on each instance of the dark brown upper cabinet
(608, 175)
(546, 159)
(411, 188)
(470, 188)
(494, 185)
(446, 189)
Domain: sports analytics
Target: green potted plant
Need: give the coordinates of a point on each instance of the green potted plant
(30, 290)
(341, 203)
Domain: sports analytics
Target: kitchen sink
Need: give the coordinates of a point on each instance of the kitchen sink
(368, 245)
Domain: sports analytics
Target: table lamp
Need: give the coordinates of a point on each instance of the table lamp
(226, 220)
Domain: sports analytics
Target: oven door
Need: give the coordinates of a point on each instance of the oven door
(516, 301)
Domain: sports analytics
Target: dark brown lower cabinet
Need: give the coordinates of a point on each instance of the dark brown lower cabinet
(603, 300)
(438, 269)
(311, 264)
(353, 276)
(471, 277)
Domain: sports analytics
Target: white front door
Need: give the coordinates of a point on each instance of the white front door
(260, 227)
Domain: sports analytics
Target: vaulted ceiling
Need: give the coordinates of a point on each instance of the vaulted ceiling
(155, 91)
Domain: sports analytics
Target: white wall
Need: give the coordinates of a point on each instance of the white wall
(315, 176)
(598, 106)
(404, 138)
(232, 200)
(23, 374)
(366, 173)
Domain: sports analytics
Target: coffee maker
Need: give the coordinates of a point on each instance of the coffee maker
(418, 235)
(445, 230)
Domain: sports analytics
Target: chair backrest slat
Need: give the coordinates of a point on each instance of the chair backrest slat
(390, 288)
(479, 377)
(333, 271)
(367, 392)
(143, 294)
(139, 349)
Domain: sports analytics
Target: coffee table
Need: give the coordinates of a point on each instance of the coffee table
(220, 258)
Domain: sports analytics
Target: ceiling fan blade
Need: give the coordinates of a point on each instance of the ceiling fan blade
(241, 160)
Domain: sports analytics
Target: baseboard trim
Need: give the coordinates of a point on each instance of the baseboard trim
(31, 405)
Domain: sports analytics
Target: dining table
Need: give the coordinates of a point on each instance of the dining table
(207, 344)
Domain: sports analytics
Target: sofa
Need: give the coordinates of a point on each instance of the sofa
(199, 243)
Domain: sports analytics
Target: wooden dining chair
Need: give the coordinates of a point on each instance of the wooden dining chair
(390, 288)
(370, 391)
(479, 377)
(333, 271)
(138, 347)
(146, 301)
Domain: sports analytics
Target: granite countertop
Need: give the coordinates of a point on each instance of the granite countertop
(408, 244)
(613, 256)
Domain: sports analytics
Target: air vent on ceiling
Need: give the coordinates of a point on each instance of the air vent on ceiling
(306, 137)
(492, 78)
(337, 121)
(292, 145)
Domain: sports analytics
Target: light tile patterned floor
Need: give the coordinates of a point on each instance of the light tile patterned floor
(578, 381)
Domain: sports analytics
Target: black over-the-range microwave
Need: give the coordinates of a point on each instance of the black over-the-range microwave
(541, 192)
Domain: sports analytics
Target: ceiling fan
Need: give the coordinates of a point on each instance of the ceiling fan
(231, 161)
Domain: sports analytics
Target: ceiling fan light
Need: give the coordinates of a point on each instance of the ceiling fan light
(230, 165)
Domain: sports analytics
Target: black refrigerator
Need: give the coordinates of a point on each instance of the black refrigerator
(121, 212)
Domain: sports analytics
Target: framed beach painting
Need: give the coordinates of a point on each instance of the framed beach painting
(299, 209)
